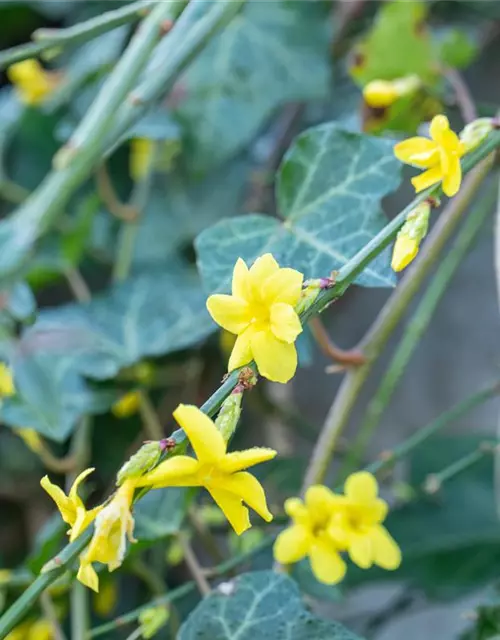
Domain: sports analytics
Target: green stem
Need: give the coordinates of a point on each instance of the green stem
(46, 39)
(376, 338)
(441, 422)
(46, 203)
(416, 327)
(434, 481)
(79, 611)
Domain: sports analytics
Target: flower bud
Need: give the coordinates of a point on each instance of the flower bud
(475, 132)
(229, 415)
(152, 620)
(308, 295)
(142, 461)
(380, 94)
(410, 236)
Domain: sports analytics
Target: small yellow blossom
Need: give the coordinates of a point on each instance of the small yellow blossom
(221, 473)
(127, 405)
(261, 313)
(32, 82)
(114, 524)
(380, 94)
(357, 527)
(40, 629)
(31, 439)
(440, 156)
(141, 157)
(71, 506)
(411, 235)
(405, 251)
(6, 381)
(308, 535)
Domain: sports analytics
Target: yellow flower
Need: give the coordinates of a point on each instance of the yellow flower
(308, 535)
(6, 381)
(141, 157)
(31, 439)
(380, 94)
(405, 250)
(127, 405)
(357, 525)
(261, 313)
(32, 82)
(440, 156)
(71, 506)
(40, 629)
(113, 525)
(221, 473)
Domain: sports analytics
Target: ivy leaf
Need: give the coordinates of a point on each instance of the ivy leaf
(271, 53)
(19, 301)
(329, 189)
(261, 603)
(150, 315)
(160, 513)
(51, 395)
(398, 45)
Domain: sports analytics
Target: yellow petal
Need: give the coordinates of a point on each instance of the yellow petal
(320, 501)
(263, 268)
(232, 314)
(6, 381)
(285, 323)
(361, 487)
(242, 350)
(276, 360)
(233, 509)
(241, 281)
(141, 157)
(404, 252)
(326, 563)
(205, 438)
(292, 544)
(361, 550)
(41, 629)
(453, 177)
(83, 519)
(63, 503)
(73, 494)
(380, 93)
(420, 152)
(296, 509)
(179, 471)
(87, 576)
(427, 178)
(239, 460)
(439, 127)
(387, 554)
(248, 489)
(283, 286)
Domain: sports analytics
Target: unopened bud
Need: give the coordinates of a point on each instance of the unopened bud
(380, 94)
(152, 620)
(410, 236)
(229, 415)
(475, 132)
(141, 462)
(308, 296)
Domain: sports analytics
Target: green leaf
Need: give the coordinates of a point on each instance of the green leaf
(398, 45)
(262, 603)
(329, 189)
(19, 301)
(51, 395)
(160, 514)
(271, 53)
(150, 315)
(456, 49)
(308, 584)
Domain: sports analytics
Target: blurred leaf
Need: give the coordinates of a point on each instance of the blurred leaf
(150, 315)
(19, 301)
(486, 625)
(264, 604)
(156, 125)
(451, 541)
(397, 45)
(270, 54)
(48, 541)
(456, 49)
(308, 584)
(329, 189)
(160, 513)
(51, 395)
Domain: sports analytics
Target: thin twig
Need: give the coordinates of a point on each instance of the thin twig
(121, 210)
(463, 96)
(77, 284)
(194, 566)
(151, 424)
(205, 535)
(346, 358)
(50, 614)
(435, 481)
(386, 322)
